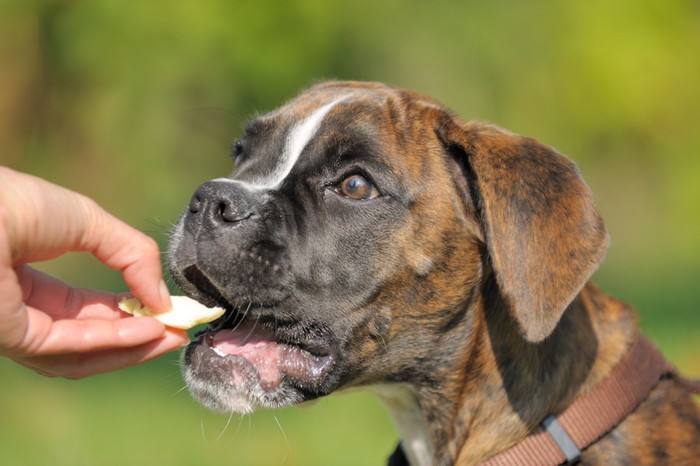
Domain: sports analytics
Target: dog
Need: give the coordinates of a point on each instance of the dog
(368, 237)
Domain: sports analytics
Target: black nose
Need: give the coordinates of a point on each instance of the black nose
(220, 203)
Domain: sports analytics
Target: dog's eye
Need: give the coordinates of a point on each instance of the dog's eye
(357, 188)
(237, 152)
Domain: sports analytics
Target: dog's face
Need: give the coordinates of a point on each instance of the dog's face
(320, 244)
(352, 232)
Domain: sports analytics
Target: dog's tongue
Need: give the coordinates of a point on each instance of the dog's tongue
(243, 340)
(270, 359)
(257, 346)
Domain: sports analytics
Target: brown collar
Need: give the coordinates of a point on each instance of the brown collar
(559, 439)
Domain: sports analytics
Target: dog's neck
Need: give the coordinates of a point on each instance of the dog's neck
(402, 402)
(501, 386)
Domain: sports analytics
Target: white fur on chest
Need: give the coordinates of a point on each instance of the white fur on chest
(401, 401)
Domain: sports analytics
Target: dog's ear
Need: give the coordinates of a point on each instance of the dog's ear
(543, 233)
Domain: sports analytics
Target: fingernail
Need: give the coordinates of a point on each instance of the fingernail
(165, 295)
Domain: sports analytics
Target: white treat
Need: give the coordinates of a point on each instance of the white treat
(185, 313)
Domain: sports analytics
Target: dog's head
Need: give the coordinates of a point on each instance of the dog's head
(358, 226)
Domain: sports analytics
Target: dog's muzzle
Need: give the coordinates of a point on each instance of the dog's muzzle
(219, 204)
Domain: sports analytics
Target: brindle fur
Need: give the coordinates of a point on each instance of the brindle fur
(486, 310)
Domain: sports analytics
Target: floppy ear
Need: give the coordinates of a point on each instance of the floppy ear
(543, 233)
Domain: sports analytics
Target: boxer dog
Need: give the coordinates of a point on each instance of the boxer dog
(368, 237)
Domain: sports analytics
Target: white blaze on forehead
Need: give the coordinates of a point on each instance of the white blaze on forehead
(297, 139)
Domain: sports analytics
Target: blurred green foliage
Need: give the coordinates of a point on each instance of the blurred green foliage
(135, 104)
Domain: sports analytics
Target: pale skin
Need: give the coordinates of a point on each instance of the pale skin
(51, 327)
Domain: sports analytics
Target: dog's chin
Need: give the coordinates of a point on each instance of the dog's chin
(239, 365)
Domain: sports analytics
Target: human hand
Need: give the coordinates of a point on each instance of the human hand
(57, 330)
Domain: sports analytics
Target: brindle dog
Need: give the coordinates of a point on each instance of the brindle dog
(369, 237)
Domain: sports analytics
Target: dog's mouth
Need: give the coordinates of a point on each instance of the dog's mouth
(255, 346)
(271, 358)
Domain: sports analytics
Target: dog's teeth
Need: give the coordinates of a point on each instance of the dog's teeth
(218, 352)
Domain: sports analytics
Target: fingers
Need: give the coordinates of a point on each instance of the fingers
(65, 320)
(83, 336)
(51, 327)
(13, 318)
(123, 248)
(61, 301)
(79, 365)
(44, 220)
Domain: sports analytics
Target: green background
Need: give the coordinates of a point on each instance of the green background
(135, 103)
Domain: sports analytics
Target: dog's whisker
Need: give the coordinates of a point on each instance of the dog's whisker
(180, 390)
(250, 426)
(201, 430)
(243, 317)
(252, 328)
(169, 281)
(284, 436)
(240, 423)
(223, 431)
